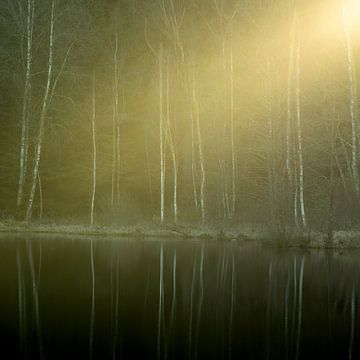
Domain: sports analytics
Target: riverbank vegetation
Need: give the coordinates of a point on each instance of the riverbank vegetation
(342, 240)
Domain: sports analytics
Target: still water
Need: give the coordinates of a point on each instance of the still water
(75, 298)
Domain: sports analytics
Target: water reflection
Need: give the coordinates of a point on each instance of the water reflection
(110, 299)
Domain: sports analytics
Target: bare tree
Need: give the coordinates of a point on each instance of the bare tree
(172, 18)
(299, 136)
(222, 31)
(93, 118)
(161, 135)
(115, 153)
(199, 143)
(352, 101)
(170, 140)
(288, 162)
(233, 156)
(50, 87)
(24, 143)
(44, 109)
(159, 55)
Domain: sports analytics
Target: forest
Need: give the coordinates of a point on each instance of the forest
(226, 113)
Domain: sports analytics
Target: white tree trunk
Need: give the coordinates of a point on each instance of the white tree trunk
(193, 157)
(161, 137)
(296, 184)
(200, 148)
(291, 162)
(114, 127)
(159, 56)
(233, 158)
(94, 154)
(299, 137)
(148, 165)
(40, 197)
(171, 142)
(118, 134)
(289, 113)
(43, 114)
(26, 102)
(352, 99)
(270, 152)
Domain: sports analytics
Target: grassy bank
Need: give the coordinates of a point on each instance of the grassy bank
(137, 232)
(344, 239)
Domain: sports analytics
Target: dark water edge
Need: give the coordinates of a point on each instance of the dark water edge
(175, 300)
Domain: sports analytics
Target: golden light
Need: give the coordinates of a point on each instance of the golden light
(351, 12)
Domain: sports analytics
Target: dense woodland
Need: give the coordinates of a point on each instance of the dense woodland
(217, 112)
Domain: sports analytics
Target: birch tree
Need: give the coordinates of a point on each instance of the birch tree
(299, 136)
(288, 161)
(44, 110)
(50, 87)
(294, 140)
(271, 156)
(163, 128)
(352, 100)
(24, 142)
(196, 113)
(233, 156)
(116, 154)
(170, 141)
(115, 127)
(223, 32)
(193, 152)
(172, 18)
(161, 135)
(93, 118)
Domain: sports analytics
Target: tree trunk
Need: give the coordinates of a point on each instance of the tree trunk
(171, 142)
(299, 137)
(193, 158)
(161, 137)
(43, 114)
(200, 148)
(40, 197)
(270, 156)
(352, 99)
(148, 165)
(26, 102)
(114, 127)
(118, 154)
(288, 164)
(94, 154)
(233, 159)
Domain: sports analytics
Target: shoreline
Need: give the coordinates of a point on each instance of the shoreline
(136, 232)
(342, 239)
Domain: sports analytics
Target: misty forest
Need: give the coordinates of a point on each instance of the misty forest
(197, 112)
(173, 174)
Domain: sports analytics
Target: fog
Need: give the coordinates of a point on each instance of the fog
(194, 112)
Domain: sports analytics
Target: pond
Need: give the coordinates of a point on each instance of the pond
(75, 297)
